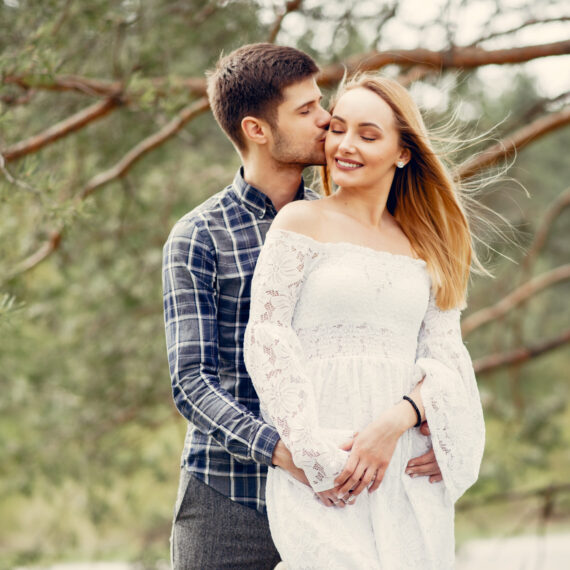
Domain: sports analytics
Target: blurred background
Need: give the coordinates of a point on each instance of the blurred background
(106, 139)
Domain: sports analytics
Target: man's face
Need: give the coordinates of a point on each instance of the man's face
(299, 135)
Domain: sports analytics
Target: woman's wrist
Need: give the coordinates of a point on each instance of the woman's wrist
(404, 416)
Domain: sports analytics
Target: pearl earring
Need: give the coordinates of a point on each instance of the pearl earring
(400, 164)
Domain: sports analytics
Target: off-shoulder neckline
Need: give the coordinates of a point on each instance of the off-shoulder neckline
(347, 244)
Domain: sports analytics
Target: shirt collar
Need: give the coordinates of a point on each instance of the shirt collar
(254, 199)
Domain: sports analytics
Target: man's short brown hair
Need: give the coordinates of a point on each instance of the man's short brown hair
(250, 82)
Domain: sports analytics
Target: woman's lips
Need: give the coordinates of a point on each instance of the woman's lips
(345, 164)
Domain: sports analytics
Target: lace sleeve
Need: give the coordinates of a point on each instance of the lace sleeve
(451, 399)
(274, 358)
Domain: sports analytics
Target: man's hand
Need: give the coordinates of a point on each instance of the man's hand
(425, 465)
(282, 458)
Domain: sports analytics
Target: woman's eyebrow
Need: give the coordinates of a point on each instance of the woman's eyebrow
(365, 124)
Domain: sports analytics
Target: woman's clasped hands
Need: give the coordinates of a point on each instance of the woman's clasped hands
(371, 451)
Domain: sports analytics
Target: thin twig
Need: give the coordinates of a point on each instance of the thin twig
(541, 235)
(61, 129)
(12, 180)
(290, 6)
(509, 145)
(492, 362)
(114, 173)
(515, 298)
(526, 24)
(145, 146)
(508, 496)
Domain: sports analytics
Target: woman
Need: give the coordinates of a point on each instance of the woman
(355, 305)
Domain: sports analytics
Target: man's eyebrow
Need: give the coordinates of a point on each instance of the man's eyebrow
(309, 103)
(366, 124)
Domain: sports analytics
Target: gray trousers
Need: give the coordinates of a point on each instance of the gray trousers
(212, 532)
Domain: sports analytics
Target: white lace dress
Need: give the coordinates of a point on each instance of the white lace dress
(337, 334)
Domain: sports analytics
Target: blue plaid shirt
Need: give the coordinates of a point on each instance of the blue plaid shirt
(208, 264)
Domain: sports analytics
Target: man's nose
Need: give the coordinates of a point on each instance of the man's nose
(324, 119)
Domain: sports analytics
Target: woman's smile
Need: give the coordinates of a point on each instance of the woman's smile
(346, 164)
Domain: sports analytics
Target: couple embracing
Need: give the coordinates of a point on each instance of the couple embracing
(314, 344)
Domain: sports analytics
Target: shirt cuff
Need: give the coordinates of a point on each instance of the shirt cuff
(264, 445)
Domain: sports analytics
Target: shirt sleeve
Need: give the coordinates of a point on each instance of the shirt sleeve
(451, 399)
(190, 313)
(275, 361)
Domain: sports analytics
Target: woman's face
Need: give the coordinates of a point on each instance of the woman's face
(363, 144)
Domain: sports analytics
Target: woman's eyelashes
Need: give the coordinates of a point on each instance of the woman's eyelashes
(367, 138)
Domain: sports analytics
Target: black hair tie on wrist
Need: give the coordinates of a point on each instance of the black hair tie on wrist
(419, 422)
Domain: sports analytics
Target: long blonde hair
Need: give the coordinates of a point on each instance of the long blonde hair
(423, 198)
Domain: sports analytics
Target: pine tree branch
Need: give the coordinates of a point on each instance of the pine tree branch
(541, 234)
(290, 6)
(515, 141)
(525, 24)
(106, 88)
(515, 298)
(43, 252)
(61, 129)
(145, 146)
(457, 57)
(118, 171)
(492, 362)
(508, 496)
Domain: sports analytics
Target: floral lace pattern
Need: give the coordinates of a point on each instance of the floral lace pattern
(337, 334)
(274, 358)
(451, 399)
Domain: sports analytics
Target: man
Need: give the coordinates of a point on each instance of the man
(266, 99)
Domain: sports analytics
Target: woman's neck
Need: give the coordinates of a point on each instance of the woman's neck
(366, 207)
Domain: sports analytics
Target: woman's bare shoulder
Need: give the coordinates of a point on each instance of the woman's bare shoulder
(302, 216)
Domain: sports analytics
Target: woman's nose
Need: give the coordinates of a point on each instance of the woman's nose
(346, 143)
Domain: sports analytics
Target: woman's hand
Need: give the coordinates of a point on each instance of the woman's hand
(372, 450)
(330, 498)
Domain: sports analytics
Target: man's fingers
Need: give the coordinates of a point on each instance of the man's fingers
(435, 479)
(428, 457)
(424, 429)
(427, 469)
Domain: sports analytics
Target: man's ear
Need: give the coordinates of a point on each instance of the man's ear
(255, 130)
